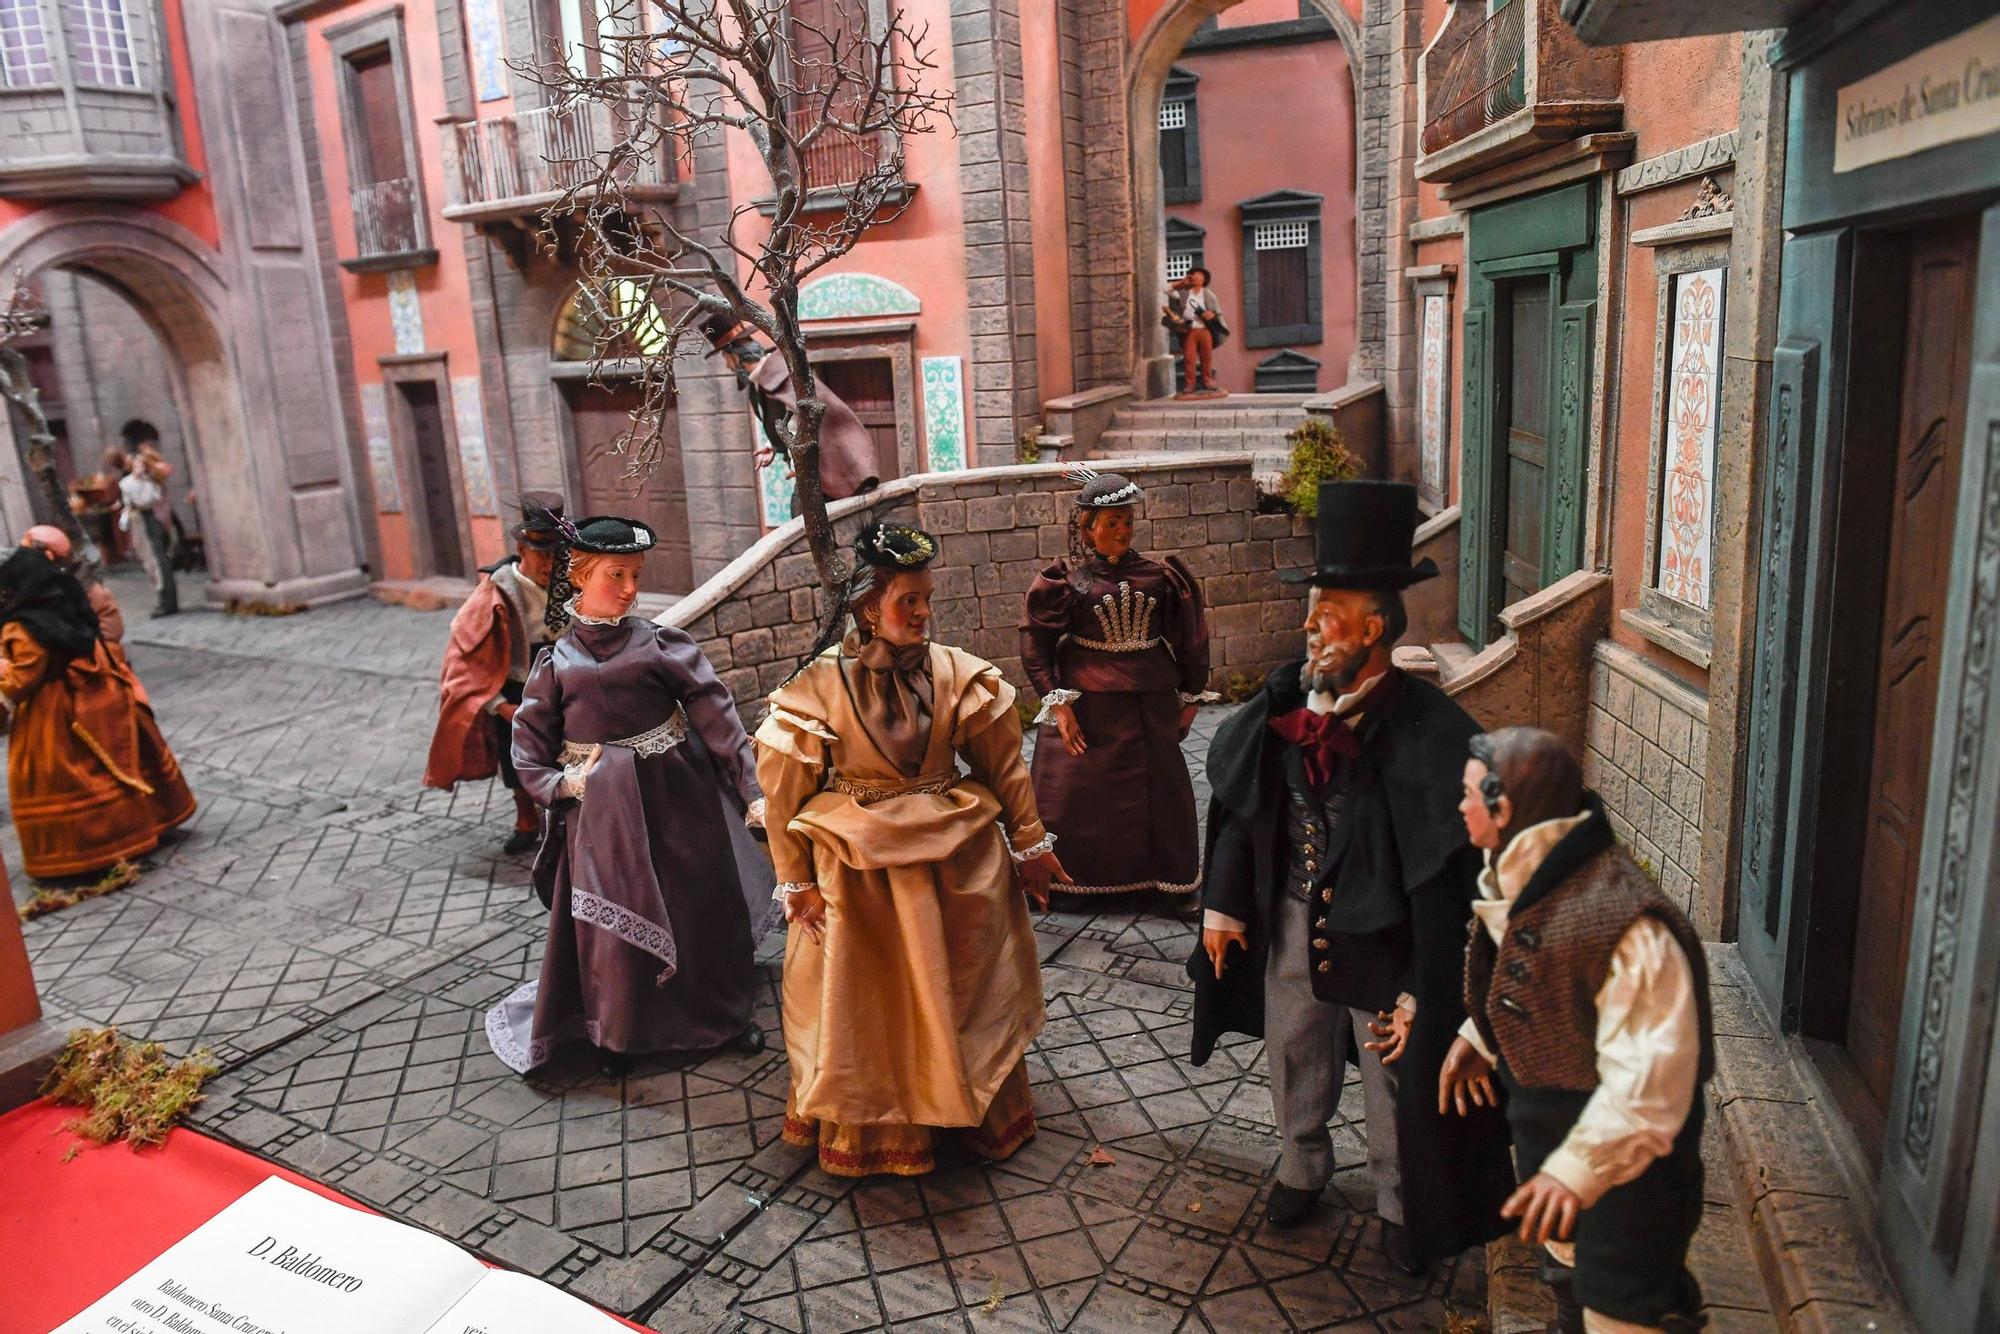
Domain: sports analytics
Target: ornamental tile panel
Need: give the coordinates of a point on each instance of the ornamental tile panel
(1687, 493)
(944, 413)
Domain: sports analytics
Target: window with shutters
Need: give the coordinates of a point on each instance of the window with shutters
(1180, 138)
(24, 46)
(384, 192)
(1281, 269)
(1185, 243)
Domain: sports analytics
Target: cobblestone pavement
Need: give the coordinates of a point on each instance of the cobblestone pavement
(334, 933)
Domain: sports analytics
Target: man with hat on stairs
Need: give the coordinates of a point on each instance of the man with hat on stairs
(494, 639)
(847, 462)
(1336, 888)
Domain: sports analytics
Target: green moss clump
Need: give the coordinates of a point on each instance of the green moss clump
(1319, 454)
(132, 1090)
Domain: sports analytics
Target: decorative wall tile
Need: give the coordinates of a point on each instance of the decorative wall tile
(849, 296)
(381, 453)
(489, 50)
(1687, 492)
(474, 461)
(774, 483)
(944, 413)
(1434, 370)
(406, 313)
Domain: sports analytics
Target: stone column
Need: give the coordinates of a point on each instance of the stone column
(1755, 247)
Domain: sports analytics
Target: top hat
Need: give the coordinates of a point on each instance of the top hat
(721, 329)
(1363, 538)
(541, 520)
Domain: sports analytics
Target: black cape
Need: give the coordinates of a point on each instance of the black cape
(1408, 852)
(50, 604)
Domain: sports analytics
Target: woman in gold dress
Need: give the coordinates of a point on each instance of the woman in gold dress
(912, 988)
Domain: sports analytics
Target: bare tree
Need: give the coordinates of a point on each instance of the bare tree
(827, 102)
(23, 317)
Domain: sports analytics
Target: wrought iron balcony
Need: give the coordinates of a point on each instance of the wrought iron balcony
(87, 103)
(389, 227)
(509, 168)
(1501, 85)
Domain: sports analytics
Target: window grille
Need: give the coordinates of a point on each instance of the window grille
(100, 45)
(24, 46)
(1173, 115)
(1178, 264)
(1281, 236)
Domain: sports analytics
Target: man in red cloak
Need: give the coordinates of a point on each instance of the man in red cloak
(494, 639)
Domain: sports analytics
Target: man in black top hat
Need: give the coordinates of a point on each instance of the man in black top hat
(494, 640)
(1336, 888)
(847, 462)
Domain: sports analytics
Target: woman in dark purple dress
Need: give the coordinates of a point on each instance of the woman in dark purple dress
(656, 892)
(1117, 646)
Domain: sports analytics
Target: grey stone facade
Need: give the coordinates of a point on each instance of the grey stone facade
(1645, 755)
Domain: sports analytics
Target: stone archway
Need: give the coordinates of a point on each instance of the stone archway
(170, 278)
(1153, 55)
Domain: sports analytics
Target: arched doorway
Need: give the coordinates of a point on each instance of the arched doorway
(1150, 67)
(170, 281)
(601, 332)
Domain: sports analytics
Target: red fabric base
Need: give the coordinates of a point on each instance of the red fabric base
(72, 1231)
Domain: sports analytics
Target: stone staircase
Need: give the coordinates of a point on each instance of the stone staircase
(1255, 423)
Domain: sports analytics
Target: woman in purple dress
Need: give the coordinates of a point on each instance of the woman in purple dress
(1117, 646)
(656, 892)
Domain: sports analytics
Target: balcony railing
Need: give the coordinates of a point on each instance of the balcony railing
(509, 166)
(388, 222)
(1480, 83)
(1505, 85)
(835, 158)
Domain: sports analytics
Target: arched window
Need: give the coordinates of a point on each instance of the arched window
(613, 320)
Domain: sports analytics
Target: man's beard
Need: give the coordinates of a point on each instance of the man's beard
(1335, 677)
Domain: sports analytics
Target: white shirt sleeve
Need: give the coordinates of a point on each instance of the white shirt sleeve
(1470, 1032)
(1211, 920)
(1648, 1062)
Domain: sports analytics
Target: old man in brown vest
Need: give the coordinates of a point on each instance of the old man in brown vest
(1588, 990)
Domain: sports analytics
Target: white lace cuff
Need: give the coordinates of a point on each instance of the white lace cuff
(1033, 850)
(573, 777)
(790, 887)
(1055, 698)
(1204, 697)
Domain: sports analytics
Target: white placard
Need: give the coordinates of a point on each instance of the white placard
(282, 1260)
(1946, 92)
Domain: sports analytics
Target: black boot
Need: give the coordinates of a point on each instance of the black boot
(612, 1064)
(750, 1041)
(1290, 1205)
(1396, 1246)
(522, 840)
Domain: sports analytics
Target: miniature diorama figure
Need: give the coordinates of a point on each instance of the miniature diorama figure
(1587, 989)
(1117, 645)
(147, 515)
(1336, 892)
(54, 543)
(90, 780)
(494, 639)
(1193, 315)
(847, 461)
(912, 987)
(655, 887)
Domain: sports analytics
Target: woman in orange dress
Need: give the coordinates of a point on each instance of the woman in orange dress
(912, 988)
(89, 777)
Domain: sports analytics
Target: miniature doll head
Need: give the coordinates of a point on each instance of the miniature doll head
(1107, 507)
(51, 541)
(539, 535)
(1516, 778)
(597, 571)
(1349, 632)
(890, 593)
(1197, 277)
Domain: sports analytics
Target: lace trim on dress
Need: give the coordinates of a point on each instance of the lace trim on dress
(628, 926)
(520, 1059)
(790, 887)
(1198, 697)
(1054, 698)
(655, 741)
(1033, 850)
(581, 619)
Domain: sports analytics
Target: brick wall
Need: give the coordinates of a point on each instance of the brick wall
(1646, 750)
(999, 527)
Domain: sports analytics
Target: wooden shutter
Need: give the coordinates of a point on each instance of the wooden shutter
(1282, 287)
(1477, 545)
(378, 114)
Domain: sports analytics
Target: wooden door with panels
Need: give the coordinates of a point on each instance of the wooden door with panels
(601, 415)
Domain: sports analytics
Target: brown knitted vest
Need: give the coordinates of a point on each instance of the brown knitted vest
(1534, 996)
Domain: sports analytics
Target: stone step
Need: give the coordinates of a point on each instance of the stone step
(1183, 440)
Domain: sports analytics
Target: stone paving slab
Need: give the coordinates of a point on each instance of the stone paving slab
(335, 933)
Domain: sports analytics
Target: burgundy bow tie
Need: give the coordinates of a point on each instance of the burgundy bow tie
(1320, 737)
